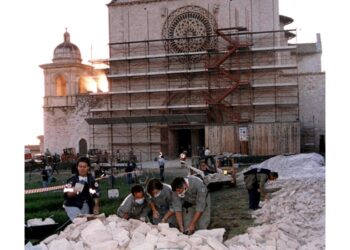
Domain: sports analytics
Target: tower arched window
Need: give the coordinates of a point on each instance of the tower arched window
(61, 86)
(82, 86)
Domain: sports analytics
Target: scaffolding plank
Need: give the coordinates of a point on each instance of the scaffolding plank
(187, 71)
(169, 118)
(155, 56)
(285, 84)
(159, 90)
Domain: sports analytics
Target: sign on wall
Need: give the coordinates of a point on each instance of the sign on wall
(243, 134)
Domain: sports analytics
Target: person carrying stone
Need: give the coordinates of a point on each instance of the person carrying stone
(255, 180)
(161, 202)
(135, 205)
(82, 192)
(191, 203)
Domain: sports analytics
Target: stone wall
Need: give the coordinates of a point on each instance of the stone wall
(64, 127)
(142, 20)
(312, 103)
(309, 62)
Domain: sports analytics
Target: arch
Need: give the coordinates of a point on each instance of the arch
(82, 86)
(82, 147)
(61, 86)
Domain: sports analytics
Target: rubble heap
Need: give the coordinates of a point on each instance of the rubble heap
(114, 233)
(295, 217)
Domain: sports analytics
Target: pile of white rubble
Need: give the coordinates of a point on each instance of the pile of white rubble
(114, 233)
(294, 218)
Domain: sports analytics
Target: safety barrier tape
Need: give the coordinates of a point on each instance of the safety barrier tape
(43, 190)
(47, 189)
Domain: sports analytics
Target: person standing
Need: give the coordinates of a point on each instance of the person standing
(118, 156)
(45, 177)
(161, 163)
(183, 157)
(135, 205)
(161, 202)
(82, 192)
(191, 203)
(206, 152)
(129, 171)
(55, 161)
(255, 180)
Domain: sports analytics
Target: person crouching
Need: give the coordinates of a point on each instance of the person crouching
(161, 202)
(191, 203)
(135, 205)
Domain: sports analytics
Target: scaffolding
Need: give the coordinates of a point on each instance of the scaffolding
(249, 77)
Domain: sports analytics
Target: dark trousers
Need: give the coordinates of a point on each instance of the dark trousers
(254, 198)
(129, 178)
(161, 173)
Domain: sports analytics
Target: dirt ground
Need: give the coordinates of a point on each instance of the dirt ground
(229, 208)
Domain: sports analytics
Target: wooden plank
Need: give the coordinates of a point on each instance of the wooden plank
(274, 138)
(263, 139)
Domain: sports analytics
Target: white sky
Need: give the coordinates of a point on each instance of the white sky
(30, 30)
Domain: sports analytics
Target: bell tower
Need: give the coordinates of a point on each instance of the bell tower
(64, 124)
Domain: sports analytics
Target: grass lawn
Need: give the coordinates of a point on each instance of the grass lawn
(229, 205)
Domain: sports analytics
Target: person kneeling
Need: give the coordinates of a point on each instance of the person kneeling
(135, 205)
(81, 193)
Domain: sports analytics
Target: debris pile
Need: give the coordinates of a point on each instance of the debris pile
(295, 216)
(116, 233)
(299, 166)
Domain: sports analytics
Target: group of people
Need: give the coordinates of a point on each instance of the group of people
(184, 204)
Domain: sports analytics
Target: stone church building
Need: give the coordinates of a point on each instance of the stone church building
(182, 75)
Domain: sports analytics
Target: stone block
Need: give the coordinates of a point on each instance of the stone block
(107, 245)
(61, 244)
(215, 244)
(95, 232)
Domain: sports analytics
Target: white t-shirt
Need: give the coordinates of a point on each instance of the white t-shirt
(182, 156)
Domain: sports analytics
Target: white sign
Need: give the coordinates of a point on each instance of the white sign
(113, 193)
(243, 134)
